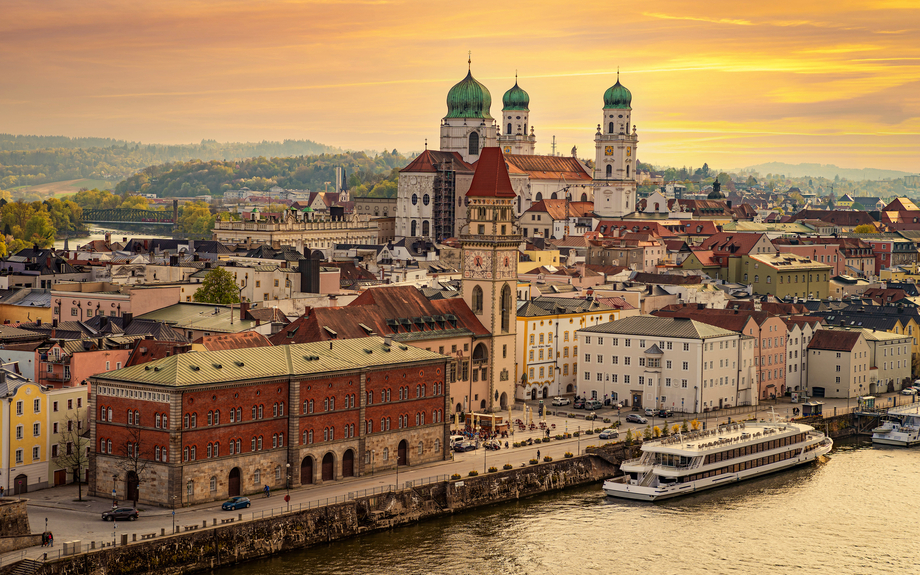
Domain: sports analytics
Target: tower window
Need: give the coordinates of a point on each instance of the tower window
(627, 170)
(474, 144)
(425, 228)
(509, 129)
(477, 300)
(426, 199)
(609, 171)
(506, 309)
(414, 199)
(414, 227)
(610, 128)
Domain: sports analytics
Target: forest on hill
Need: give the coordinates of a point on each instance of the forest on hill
(366, 175)
(33, 160)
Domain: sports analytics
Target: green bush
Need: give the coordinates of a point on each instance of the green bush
(568, 454)
(571, 416)
(534, 461)
(546, 440)
(493, 469)
(547, 458)
(559, 436)
(473, 473)
(606, 420)
(455, 476)
(507, 466)
(576, 434)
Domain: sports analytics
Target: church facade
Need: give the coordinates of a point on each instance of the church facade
(432, 190)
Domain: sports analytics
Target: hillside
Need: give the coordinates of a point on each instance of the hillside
(828, 171)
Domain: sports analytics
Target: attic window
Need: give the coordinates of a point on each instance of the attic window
(217, 366)
(331, 331)
(195, 368)
(291, 333)
(367, 351)
(239, 363)
(365, 328)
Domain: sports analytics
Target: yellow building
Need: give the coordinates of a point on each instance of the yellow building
(547, 346)
(538, 258)
(785, 275)
(23, 425)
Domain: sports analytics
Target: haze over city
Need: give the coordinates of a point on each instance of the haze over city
(726, 83)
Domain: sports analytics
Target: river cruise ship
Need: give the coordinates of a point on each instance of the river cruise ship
(690, 462)
(901, 427)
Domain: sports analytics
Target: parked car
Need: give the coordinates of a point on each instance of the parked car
(464, 446)
(635, 418)
(909, 391)
(120, 513)
(561, 401)
(455, 439)
(492, 445)
(664, 413)
(235, 503)
(579, 404)
(593, 404)
(649, 412)
(609, 434)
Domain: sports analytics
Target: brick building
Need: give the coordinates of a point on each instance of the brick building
(196, 427)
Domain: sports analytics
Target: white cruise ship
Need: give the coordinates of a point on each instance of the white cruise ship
(902, 427)
(690, 462)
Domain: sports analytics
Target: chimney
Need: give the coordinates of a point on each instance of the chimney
(126, 319)
(54, 322)
(388, 341)
(244, 310)
(38, 322)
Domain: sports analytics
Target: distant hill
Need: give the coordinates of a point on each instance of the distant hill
(828, 171)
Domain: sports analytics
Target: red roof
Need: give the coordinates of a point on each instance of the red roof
(242, 340)
(491, 179)
(556, 208)
(834, 340)
(549, 167)
(428, 161)
(730, 242)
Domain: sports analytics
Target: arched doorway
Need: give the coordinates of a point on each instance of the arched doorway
(233, 482)
(482, 404)
(21, 484)
(584, 197)
(328, 467)
(533, 393)
(306, 471)
(348, 464)
(545, 392)
(503, 402)
(569, 388)
(402, 453)
(132, 483)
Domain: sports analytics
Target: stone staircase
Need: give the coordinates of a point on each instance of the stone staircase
(25, 567)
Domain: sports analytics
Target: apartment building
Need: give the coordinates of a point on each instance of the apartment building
(675, 363)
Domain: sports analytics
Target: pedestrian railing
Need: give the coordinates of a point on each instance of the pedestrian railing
(12, 558)
(370, 492)
(427, 480)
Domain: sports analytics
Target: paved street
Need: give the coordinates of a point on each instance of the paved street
(71, 520)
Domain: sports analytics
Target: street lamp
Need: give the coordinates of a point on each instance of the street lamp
(373, 459)
(579, 440)
(114, 495)
(174, 513)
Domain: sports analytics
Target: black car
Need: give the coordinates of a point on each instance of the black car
(122, 513)
(579, 404)
(665, 413)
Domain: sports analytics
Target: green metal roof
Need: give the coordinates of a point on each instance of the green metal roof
(617, 96)
(516, 99)
(653, 326)
(228, 366)
(201, 316)
(469, 99)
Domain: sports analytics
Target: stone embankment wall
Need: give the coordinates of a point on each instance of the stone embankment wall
(14, 518)
(205, 549)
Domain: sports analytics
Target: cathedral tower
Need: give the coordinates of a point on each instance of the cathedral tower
(490, 260)
(468, 126)
(515, 122)
(615, 156)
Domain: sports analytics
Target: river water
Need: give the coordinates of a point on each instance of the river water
(98, 233)
(857, 512)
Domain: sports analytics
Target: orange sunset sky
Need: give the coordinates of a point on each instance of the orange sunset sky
(726, 82)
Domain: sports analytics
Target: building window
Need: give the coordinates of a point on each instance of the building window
(477, 300)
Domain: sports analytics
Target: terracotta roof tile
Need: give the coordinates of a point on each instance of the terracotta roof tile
(549, 167)
(834, 340)
(491, 178)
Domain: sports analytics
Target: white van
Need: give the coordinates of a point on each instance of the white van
(455, 439)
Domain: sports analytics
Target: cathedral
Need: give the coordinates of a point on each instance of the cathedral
(432, 193)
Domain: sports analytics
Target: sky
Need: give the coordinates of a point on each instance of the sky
(724, 82)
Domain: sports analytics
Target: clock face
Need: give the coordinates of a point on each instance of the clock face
(506, 266)
(608, 150)
(477, 264)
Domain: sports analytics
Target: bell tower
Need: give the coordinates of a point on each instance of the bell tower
(615, 156)
(515, 121)
(490, 250)
(468, 127)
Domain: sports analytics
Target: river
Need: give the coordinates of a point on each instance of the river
(854, 513)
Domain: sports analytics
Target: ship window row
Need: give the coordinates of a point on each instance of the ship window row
(752, 449)
(744, 465)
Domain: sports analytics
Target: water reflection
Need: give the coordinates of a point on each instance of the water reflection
(834, 517)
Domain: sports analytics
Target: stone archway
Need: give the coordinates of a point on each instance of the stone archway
(132, 484)
(328, 467)
(21, 484)
(233, 482)
(348, 464)
(402, 453)
(503, 402)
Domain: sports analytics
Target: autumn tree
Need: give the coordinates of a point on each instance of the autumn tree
(196, 219)
(865, 229)
(218, 287)
(73, 450)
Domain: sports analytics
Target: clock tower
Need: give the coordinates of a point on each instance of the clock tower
(490, 250)
(615, 156)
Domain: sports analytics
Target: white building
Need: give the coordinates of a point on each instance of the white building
(838, 364)
(799, 334)
(674, 363)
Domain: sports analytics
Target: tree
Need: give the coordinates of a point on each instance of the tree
(73, 450)
(135, 458)
(866, 229)
(196, 219)
(218, 287)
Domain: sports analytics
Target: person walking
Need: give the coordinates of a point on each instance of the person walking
(268, 492)
(538, 454)
(51, 538)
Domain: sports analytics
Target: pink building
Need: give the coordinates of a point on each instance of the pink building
(823, 253)
(72, 363)
(78, 301)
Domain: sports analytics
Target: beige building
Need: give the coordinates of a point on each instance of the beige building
(297, 229)
(838, 364)
(675, 363)
(889, 356)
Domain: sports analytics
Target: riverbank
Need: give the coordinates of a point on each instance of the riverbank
(205, 547)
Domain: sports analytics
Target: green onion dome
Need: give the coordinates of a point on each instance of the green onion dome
(516, 99)
(617, 96)
(469, 99)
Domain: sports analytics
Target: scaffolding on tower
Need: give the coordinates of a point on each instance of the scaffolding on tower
(444, 208)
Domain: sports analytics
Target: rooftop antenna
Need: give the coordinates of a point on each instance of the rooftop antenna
(554, 145)
(469, 61)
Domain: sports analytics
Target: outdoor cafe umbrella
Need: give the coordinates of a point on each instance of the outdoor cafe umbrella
(530, 416)
(457, 420)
